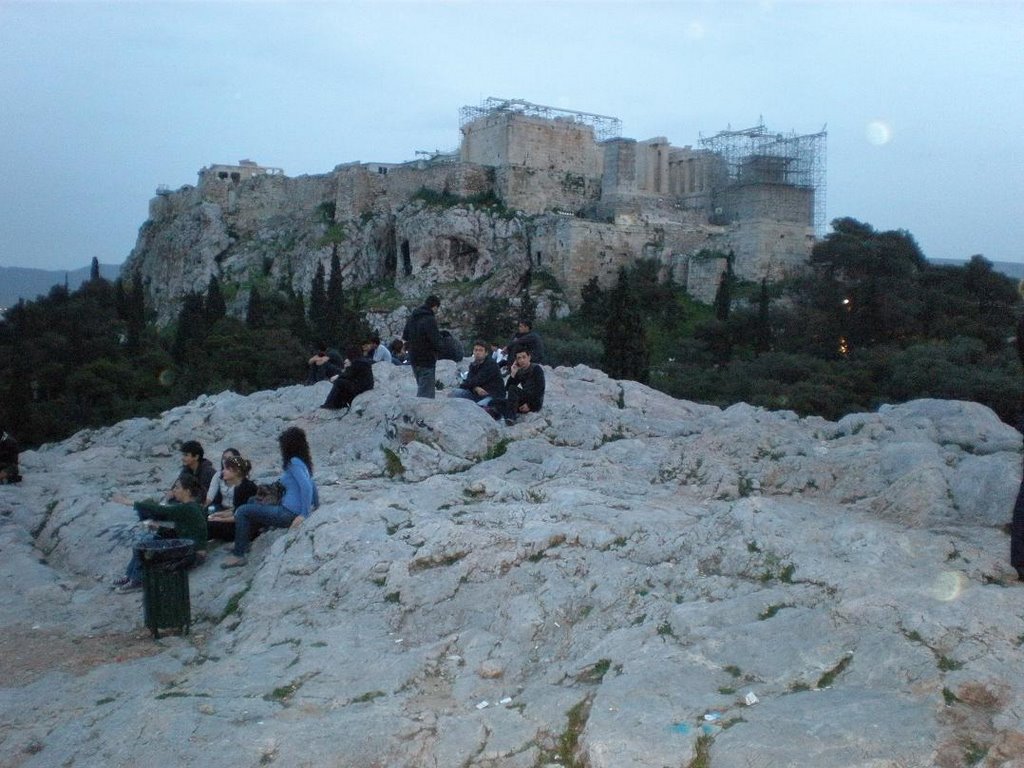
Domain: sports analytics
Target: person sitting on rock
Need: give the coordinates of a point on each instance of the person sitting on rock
(215, 484)
(397, 350)
(194, 465)
(9, 472)
(356, 378)
(524, 390)
(298, 500)
(324, 364)
(374, 351)
(235, 490)
(483, 382)
(187, 519)
(526, 338)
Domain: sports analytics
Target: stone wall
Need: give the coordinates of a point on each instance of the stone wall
(576, 250)
(507, 138)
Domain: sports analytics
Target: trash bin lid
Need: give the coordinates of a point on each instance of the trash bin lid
(161, 550)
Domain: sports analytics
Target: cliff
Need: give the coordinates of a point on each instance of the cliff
(606, 582)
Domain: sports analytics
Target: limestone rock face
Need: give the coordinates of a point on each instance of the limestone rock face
(621, 568)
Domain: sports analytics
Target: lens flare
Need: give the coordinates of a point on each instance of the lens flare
(948, 586)
(166, 377)
(878, 133)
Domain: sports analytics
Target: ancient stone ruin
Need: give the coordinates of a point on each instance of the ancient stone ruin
(530, 189)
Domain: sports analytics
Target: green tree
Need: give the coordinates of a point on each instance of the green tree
(318, 304)
(626, 352)
(214, 308)
(191, 328)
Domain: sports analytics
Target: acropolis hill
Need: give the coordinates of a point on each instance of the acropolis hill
(531, 190)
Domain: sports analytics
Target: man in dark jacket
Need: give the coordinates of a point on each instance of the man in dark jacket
(356, 378)
(483, 382)
(194, 465)
(526, 338)
(525, 386)
(423, 342)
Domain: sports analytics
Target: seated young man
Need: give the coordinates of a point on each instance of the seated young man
(195, 466)
(324, 364)
(356, 378)
(483, 382)
(187, 518)
(524, 390)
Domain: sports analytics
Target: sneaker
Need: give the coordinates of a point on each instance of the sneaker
(120, 581)
(233, 562)
(131, 586)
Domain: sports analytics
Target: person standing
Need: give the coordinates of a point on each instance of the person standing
(423, 342)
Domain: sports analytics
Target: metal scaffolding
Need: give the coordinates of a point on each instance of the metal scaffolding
(604, 127)
(757, 156)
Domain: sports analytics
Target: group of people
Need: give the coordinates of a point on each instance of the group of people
(521, 393)
(205, 503)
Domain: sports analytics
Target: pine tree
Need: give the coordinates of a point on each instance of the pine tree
(763, 335)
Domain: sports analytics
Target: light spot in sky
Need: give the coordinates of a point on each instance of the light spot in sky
(696, 30)
(878, 132)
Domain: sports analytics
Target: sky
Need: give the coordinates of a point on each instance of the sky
(102, 102)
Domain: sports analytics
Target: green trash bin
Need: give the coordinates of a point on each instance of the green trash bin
(165, 597)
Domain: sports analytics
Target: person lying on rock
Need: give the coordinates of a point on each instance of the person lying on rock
(187, 519)
(356, 378)
(298, 500)
(234, 490)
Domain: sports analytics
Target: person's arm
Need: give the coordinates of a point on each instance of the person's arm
(299, 473)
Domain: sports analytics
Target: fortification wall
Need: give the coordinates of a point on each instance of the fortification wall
(513, 139)
(361, 190)
(768, 249)
(777, 202)
(576, 250)
(703, 276)
(535, 191)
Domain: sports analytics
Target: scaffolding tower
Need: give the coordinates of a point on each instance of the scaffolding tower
(604, 127)
(757, 156)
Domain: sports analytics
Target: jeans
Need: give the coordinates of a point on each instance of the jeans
(425, 378)
(464, 394)
(134, 570)
(270, 515)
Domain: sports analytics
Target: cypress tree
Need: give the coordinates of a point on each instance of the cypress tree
(214, 308)
(94, 269)
(335, 311)
(191, 326)
(318, 304)
(254, 313)
(626, 351)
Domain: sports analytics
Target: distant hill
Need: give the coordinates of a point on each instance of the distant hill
(1014, 269)
(26, 283)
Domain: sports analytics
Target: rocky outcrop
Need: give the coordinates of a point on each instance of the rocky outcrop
(609, 581)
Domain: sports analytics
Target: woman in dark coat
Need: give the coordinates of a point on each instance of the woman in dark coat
(236, 489)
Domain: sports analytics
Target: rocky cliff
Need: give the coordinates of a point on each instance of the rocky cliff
(605, 584)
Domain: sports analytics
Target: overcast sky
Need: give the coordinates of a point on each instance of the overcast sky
(100, 103)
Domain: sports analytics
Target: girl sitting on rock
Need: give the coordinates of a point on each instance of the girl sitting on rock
(234, 489)
(298, 500)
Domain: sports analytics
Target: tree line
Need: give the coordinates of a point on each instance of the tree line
(870, 322)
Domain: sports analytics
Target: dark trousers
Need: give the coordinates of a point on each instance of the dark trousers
(1017, 531)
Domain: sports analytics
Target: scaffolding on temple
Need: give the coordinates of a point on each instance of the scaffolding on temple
(604, 127)
(757, 156)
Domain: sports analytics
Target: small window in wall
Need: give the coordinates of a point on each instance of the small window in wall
(236, 176)
(222, 175)
(382, 171)
(538, 258)
(406, 258)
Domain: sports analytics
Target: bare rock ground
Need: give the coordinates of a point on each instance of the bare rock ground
(602, 584)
